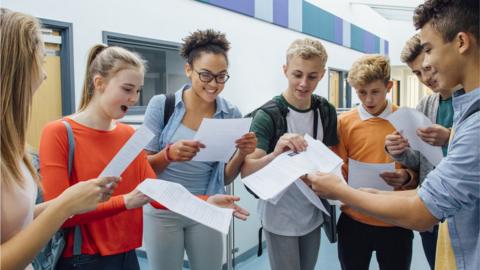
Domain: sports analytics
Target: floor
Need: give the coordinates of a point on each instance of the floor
(327, 258)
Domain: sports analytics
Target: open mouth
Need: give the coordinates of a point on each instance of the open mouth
(124, 108)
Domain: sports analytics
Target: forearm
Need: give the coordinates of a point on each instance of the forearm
(158, 161)
(232, 168)
(39, 208)
(20, 250)
(112, 207)
(402, 208)
(252, 165)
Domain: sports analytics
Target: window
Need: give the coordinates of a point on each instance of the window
(339, 90)
(165, 73)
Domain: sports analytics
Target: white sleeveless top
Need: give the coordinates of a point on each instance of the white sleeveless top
(17, 206)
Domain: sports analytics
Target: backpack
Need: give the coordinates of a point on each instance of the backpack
(278, 114)
(52, 251)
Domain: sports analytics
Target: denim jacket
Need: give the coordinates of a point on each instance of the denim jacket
(165, 131)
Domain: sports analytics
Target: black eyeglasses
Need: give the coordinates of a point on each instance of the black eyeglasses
(207, 76)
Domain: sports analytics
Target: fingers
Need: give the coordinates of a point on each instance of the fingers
(240, 213)
(185, 150)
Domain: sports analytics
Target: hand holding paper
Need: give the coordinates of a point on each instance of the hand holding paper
(219, 136)
(179, 200)
(408, 121)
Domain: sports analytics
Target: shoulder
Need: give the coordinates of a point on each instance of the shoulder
(56, 127)
(157, 100)
(323, 102)
(428, 100)
(348, 116)
(124, 128)
(229, 108)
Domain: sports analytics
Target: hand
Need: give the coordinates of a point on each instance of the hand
(246, 144)
(85, 195)
(290, 141)
(397, 178)
(228, 201)
(135, 199)
(325, 185)
(434, 135)
(396, 143)
(184, 150)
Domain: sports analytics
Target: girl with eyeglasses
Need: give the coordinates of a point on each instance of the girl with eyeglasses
(169, 235)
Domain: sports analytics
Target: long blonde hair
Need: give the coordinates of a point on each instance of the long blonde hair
(21, 59)
(106, 62)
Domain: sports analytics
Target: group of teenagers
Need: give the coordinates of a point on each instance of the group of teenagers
(105, 219)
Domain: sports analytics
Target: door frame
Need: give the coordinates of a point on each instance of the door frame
(66, 63)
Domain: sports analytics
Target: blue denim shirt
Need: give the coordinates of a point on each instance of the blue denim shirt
(452, 190)
(165, 131)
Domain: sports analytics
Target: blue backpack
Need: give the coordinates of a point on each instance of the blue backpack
(48, 257)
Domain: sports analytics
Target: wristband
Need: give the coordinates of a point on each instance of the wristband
(167, 158)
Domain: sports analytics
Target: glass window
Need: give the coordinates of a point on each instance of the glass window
(165, 73)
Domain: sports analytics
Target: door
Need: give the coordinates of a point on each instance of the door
(47, 101)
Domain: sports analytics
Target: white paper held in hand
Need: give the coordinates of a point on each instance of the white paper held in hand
(129, 151)
(367, 175)
(178, 199)
(407, 121)
(219, 136)
(281, 172)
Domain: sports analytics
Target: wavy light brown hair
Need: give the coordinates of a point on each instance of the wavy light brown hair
(106, 62)
(411, 50)
(21, 56)
(369, 68)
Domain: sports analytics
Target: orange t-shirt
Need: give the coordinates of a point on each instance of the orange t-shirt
(109, 229)
(363, 140)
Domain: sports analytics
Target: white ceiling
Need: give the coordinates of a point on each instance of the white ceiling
(401, 10)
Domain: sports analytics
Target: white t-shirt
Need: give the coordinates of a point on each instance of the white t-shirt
(294, 214)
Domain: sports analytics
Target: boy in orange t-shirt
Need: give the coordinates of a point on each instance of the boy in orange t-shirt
(362, 132)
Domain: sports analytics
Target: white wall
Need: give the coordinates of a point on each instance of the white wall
(256, 57)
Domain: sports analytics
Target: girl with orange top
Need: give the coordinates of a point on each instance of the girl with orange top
(110, 233)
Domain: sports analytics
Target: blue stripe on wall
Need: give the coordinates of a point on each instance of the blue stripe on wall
(305, 17)
(280, 12)
(246, 7)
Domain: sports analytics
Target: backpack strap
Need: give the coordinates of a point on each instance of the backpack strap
(77, 236)
(169, 107)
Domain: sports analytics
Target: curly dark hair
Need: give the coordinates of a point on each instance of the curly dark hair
(449, 17)
(209, 41)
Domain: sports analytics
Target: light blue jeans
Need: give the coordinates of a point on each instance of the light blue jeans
(168, 235)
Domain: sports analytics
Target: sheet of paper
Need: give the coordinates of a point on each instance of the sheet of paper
(219, 136)
(407, 121)
(311, 196)
(280, 173)
(367, 175)
(276, 176)
(128, 152)
(179, 200)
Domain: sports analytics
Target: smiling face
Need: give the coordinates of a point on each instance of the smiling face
(442, 57)
(303, 76)
(374, 96)
(424, 74)
(119, 92)
(207, 66)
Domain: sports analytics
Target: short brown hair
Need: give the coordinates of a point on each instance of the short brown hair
(307, 48)
(449, 17)
(411, 50)
(369, 68)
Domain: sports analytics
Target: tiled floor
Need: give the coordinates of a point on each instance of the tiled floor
(327, 258)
